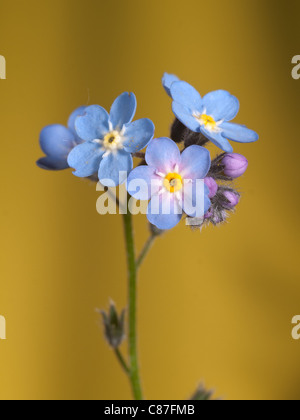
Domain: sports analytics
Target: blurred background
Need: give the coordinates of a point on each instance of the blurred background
(221, 312)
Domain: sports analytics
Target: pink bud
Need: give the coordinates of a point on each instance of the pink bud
(209, 214)
(235, 165)
(233, 199)
(212, 185)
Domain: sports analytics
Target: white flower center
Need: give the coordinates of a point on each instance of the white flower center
(172, 182)
(111, 142)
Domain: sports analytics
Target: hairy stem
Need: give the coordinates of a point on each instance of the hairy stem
(122, 361)
(134, 374)
(145, 251)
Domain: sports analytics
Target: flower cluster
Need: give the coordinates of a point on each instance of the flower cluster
(178, 175)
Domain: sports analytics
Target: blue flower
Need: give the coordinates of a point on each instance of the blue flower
(57, 141)
(210, 115)
(174, 182)
(110, 141)
(167, 82)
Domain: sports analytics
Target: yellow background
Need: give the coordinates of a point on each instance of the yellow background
(213, 306)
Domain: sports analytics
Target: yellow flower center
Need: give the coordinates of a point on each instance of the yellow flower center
(208, 122)
(111, 140)
(173, 182)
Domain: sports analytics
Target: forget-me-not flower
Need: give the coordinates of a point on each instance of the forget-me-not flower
(210, 115)
(110, 141)
(171, 181)
(57, 141)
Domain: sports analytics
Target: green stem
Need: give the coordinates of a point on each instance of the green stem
(122, 361)
(145, 251)
(113, 196)
(132, 333)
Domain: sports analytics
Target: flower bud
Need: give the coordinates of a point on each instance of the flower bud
(216, 215)
(114, 326)
(209, 214)
(177, 131)
(212, 186)
(191, 138)
(231, 199)
(202, 394)
(235, 165)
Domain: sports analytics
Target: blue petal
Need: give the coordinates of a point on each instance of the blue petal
(52, 164)
(196, 202)
(93, 124)
(85, 159)
(57, 141)
(138, 134)
(114, 168)
(221, 105)
(186, 95)
(123, 110)
(141, 182)
(167, 82)
(239, 133)
(163, 154)
(218, 140)
(164, 221)
(71, 122)
(195, 162)
(185, 116)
